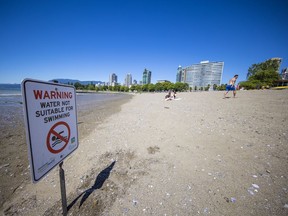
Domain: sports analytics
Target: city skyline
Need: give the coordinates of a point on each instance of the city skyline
(89, 40)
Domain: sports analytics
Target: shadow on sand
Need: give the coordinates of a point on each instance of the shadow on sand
(100, 179)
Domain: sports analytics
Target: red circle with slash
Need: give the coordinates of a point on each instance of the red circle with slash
(58, 137)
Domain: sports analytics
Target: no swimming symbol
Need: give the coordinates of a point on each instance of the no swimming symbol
(58, 137)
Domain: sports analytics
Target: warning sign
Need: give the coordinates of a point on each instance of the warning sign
(51, 124)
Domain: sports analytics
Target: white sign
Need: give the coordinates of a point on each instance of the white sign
(51, 124)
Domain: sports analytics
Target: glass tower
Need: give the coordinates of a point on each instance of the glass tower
(146, 77)
(128, 80)
(201, 75)
(112, 79)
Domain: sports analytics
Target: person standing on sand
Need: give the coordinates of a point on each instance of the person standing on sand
(231, 86)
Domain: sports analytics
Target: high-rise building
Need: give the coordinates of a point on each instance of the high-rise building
(179, 74)
(112, 79)
(284, 74)
(201, 75)
(128, 80)
(146, 77)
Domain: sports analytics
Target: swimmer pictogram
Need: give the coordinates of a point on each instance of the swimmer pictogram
(58, 137)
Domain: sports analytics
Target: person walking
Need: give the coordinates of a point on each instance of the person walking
(231, 86)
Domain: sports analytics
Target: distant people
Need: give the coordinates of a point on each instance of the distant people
(168, 96)
(174, 94)
(231, 86)
(171, 95)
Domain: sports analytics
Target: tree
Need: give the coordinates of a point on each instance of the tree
(151, 87)
(91, 87)
(250, 85)
(262, 74)
(207, 88)
(222, 87)
(214, 87)
(122, 88)
(145, 88)
(116, 88)
(167, 86)
(271, 65)
(159, 87)
(178, 86)
(78, 85)
(133, 88)
(139, 88)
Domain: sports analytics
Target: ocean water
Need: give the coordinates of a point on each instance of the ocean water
(12, 112)
(11, 95)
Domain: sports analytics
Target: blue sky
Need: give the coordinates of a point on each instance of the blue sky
(88, 40)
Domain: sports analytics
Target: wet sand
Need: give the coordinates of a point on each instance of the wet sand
(200, 155)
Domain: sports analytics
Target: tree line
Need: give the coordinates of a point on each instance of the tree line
(158, 87)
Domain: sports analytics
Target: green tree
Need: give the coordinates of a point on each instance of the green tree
(144, 88)
(167, 86)
(122, 88)
(271, 65)
(262, 74)
(207, 87)
(139, 88)
(265, 77)
(151, 87)
(214, 87)
(178, 86)
(78, 86)
(91, 87)
(159, 87)
(133, 88)
(250, 84)
(116, 88)
(222, 87)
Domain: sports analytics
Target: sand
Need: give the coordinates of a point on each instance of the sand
(14, 163)
(200, 155)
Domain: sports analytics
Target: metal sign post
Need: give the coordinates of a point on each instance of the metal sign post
(63, 189)
(51, 128)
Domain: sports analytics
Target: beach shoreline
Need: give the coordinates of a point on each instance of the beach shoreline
(201, 154)
(14, 163)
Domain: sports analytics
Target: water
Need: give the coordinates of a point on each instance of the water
(12, 115)
(10, 95)
(10, 89)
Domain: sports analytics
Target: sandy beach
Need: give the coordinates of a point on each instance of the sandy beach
(199, 155)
